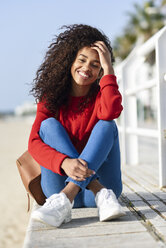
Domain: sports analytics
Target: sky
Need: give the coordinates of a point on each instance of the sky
(28, 27)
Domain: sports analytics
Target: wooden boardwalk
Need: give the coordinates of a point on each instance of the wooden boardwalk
(143, 226)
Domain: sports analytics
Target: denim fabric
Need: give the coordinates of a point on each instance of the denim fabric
(101, 153)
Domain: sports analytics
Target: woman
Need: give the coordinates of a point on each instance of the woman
(74, 137)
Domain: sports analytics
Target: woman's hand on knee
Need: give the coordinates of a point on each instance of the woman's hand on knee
(77, 169)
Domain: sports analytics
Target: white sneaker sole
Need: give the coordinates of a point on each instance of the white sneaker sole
(111, 215)
(46, 219)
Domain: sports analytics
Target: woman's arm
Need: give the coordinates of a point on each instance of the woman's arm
(42, 153)
(49, 157)
(109, 99)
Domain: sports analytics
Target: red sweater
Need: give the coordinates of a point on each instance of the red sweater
(106, 106)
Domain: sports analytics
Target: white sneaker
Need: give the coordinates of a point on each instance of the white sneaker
(55, 211)
(108, 205)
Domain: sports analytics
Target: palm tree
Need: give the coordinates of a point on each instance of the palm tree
(163, 3)
(143, 23)
(124, 44)
(147, 21)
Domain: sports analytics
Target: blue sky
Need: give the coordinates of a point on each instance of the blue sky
(27, 28)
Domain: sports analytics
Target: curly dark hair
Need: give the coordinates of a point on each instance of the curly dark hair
(53, 78)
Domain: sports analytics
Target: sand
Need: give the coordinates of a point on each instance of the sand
(14, 219)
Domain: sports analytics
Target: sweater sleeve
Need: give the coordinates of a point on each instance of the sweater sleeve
(42, 153)
(109, 99)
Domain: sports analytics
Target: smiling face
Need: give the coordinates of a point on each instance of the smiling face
(85, 70)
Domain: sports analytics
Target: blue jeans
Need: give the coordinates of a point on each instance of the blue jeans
(101, 153)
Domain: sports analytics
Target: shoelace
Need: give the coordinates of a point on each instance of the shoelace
(109, 197)
(51, 202)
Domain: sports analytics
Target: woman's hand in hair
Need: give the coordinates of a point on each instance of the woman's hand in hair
(77, 169)
(104, 56)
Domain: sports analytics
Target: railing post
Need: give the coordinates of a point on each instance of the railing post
(123, 122)
(130, 141)
(161, 87)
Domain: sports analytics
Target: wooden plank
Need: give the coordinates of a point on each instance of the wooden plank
(97, 240)
(146, 185)
(141, 172)
(152, 211)
(132, 184)
(152, 217)
(130, 194)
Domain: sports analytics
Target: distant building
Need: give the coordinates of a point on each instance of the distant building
(27, 108)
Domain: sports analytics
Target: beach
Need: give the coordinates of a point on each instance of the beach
(14, 134)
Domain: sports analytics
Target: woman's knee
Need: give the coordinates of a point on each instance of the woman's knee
(48, 125)
(106, 127)
(107, 124)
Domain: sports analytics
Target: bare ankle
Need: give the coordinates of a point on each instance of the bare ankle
(95, 186)
(71, 190)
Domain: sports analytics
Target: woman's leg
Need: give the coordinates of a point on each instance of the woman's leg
(53, 134)
(51, 182)
(103, 156)
(57, 208)
(109, 176)
(95, 152)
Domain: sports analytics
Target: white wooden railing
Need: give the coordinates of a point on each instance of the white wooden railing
(131, 84)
